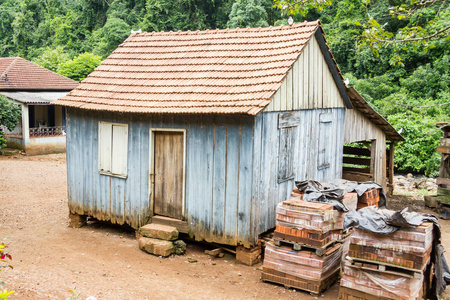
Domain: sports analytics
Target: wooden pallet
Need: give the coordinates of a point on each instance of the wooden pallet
(369, 265)
(319, 250)
(289, 281)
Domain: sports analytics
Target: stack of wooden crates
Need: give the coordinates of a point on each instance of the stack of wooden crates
(393, 266)
(306, 250)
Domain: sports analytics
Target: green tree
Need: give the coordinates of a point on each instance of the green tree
(173, 15)
(417, 22)
(246, 13)
(111, 35)
(80, 67)
(9, 117)
(52, 58)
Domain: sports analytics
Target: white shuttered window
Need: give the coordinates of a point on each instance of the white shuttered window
(112, 149)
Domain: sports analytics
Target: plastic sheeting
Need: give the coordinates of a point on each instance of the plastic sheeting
(383, 221)
(333, 191)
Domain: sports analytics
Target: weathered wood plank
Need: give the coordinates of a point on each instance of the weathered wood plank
(357, 151)
(256, 183)
(289, 88)
(356, 161)
(289, 119)
(245, 181)
(168, 199)
(358, 170)
(232, 179)
(295, 87)
(283, 95)
(219, 180)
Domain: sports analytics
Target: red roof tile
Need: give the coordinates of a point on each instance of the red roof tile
(17, 73)
(212, 71)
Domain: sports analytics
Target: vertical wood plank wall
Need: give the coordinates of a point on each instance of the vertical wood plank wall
(231, 169)
(360, 128)
(309, 84)
(305, 161)
(219, 174)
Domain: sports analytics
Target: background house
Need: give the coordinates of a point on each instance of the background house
(42, 125)
(205, 130)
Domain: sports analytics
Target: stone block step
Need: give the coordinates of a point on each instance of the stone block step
(159, 231)
(156, 247)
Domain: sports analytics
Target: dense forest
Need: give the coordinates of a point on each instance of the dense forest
(71, 37)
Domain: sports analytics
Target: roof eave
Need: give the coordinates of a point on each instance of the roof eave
(332, 65)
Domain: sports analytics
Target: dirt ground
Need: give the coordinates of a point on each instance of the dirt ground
(102, 260)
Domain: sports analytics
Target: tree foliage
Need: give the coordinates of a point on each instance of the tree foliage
(407, 80)
(9, 113)
(248, 13)
(79, 67)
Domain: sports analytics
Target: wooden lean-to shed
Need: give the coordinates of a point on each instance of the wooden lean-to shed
(205, 130)
(375, 160)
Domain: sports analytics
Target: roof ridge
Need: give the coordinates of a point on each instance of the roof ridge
(229, 30)
(5, 73)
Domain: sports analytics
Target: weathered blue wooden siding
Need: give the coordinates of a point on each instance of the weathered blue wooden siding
(218, 173)
(232, 187)
(307, 138)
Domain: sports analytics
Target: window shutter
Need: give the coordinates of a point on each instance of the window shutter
(325, 130)
(119, 149)
(286, 151)
(104, 146)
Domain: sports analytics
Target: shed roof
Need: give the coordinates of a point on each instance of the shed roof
(360, 104)
(229, 71)
(18, 74)
(33, 97)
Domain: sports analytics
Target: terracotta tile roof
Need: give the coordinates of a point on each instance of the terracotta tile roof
(18, 74)
(213, 71)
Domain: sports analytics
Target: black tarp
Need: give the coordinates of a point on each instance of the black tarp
(333, 191)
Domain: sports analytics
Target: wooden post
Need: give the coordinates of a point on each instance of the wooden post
(373, 158)
(76, 220)
(25, 125)
(391, 162)
(248, 257)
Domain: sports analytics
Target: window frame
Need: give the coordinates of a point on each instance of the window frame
(102, 169)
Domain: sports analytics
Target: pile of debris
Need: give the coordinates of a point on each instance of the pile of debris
(305, 253)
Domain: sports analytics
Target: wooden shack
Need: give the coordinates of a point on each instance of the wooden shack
(374, 161)
(205, 130)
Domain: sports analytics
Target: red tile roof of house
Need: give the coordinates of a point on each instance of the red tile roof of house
(228, 71)
(20, 74)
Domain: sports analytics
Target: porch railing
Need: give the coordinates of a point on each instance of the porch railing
(46, 131)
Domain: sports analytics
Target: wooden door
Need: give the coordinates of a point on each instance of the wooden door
(168, 162)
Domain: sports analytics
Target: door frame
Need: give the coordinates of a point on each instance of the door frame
(151, 173)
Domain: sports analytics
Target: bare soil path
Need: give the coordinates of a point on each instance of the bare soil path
(102, 260)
